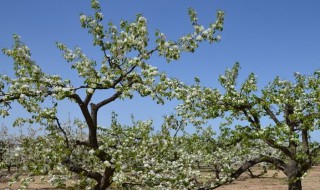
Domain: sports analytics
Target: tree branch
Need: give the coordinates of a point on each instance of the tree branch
(271, 114)
(106, 178)
(305, 141)
(281, 165)
(107, 101)
(248, 164)
(77, 98)
(273, 144)
(89, 120)
(248, 117)
(77, 169)
(64, 132)
(88, 99)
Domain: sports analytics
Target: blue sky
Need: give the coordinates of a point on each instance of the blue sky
(268, 38)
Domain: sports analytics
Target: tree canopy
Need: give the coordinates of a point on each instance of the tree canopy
(124, 72)
(281, 116)
(259, 126)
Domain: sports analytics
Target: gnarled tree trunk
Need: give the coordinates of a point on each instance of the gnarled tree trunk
(295, 183)
(294, 174)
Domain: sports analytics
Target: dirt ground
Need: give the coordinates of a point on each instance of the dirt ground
(267, 182)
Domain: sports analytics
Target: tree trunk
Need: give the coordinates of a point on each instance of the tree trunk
(294, 174)
(295, 183)
(102, 186)
(106, 180)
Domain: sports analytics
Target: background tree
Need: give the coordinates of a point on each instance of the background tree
(281, 116)
(124, 72)
(9, 149)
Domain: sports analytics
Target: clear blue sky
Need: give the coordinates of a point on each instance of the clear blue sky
(268, 38)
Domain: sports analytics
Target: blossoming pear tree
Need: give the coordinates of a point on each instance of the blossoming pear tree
(8, 152)
(123, 73)
(281, 116)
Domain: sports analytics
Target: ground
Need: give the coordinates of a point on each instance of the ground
(270, 181)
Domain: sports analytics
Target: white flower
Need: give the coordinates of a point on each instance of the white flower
(26, 86)
(22, 96)
(218, 38)
(100, 15)
(175, 47)
(205, 33)
(107, 163)
(143, 29)
(142, 19)
(91, 152)
(83, 17)
(199, 38)
(89, 90)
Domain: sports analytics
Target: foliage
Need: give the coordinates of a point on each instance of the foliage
(9, 150)
(281, 116)
(123, 73)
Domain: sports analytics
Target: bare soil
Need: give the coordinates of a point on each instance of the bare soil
(270, 181)
(36, 185)
(273, 180)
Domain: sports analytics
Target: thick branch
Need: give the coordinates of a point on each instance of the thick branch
(255, 118)
(107, 101)
(287, 112)
(248, 117)
(256, 122)
(76, 97)
(273, 144)
(100, 154)
(91, 125)
(271, 114)
(93, 139)
(247, 165)
(92, 118)
(252, 175)
(272, 160)
(77, 169)
(106, 178)
(305, 141)
(88, 99)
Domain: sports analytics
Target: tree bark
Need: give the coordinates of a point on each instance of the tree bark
(294, 173)
(295, 183)
(106, 179)
(103, 181)
(281, 165)
(247, 165)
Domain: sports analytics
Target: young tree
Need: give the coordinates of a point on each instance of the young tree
(282, 116)
(124, 71)
(9, 149)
